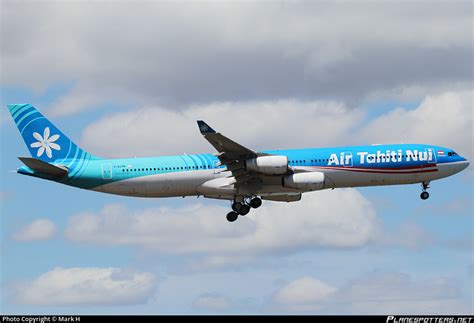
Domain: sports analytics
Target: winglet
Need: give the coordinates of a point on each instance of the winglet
(205, 128)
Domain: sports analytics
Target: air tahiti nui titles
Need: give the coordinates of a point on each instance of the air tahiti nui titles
(387, 156)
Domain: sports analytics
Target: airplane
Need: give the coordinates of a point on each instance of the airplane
(236, 173)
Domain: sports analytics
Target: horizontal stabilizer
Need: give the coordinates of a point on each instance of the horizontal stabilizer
(43, 167)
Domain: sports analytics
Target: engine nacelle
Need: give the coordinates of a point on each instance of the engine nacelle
(270, 165)
(306, 181)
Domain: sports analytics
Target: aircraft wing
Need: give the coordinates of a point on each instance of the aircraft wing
(231, 154)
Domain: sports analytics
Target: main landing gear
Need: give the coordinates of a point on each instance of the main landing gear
(243, 208)
(425, 186)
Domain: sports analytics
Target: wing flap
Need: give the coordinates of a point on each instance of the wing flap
(283, 197)
(43, 167)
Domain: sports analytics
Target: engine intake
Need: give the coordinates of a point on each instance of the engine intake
(270, 165)
(307, 181)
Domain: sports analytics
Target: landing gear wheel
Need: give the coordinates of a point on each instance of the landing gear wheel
(256, 202)
(244, 209)
(232, 216)
(236, 206)
(424, 195)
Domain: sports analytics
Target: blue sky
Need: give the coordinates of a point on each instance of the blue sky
(365, 250)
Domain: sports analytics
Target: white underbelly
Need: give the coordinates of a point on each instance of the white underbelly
(160, 185)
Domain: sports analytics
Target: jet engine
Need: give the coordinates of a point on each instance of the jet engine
(270, 165)
(306, 181)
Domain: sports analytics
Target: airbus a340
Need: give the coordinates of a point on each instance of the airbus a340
(235, 173)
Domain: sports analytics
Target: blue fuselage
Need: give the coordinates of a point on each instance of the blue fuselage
(343, 167)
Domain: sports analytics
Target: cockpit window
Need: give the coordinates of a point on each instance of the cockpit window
(452, 153)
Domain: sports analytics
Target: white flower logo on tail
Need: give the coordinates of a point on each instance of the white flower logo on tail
(45, 143)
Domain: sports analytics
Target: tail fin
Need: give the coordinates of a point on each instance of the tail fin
(43, 139)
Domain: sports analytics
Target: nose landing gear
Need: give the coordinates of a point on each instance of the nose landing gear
(243, 208)
(425, 186)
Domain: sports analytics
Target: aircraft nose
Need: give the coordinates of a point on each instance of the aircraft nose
(463, 165)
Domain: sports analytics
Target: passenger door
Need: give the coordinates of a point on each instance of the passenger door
(107, 171)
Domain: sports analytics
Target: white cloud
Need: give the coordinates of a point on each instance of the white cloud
(179, 53)
(408, 235)
(212, 302)
(374, 293)
(41, 229)
(321, 219)
(151, 130)
(444, 119)
(87, 286)
(304, 294)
